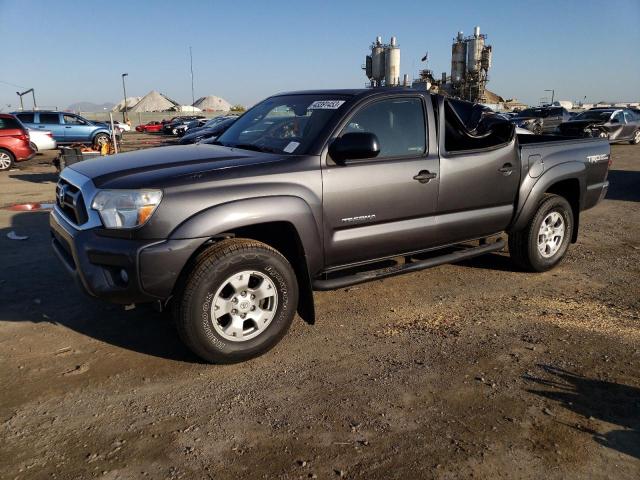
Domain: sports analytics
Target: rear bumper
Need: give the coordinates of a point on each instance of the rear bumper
(595, 194)
(24, 153)
(97, 263)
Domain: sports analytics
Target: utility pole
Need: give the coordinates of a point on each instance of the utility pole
(33, 93)
(553, 93)
(193, 97)
(124, 90)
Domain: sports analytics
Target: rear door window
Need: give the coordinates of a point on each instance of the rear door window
(50, 118)
(7, 123)
(25, 117)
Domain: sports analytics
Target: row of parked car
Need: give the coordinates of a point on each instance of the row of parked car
(615, 124)
(191, 129)
(24, 133)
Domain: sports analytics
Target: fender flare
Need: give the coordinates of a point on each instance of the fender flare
(226, 217)
(531, 194)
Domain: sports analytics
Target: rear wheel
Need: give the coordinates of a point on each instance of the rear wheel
(543, 243)
(636, 138)
(6, 159)
(237, 301)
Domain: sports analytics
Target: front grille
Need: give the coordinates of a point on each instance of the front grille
(69, 199)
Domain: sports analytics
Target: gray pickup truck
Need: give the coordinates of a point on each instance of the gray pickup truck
(316, 190)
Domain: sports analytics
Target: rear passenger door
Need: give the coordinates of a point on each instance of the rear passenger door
(477, 187)
(376, 207)
(51, 121)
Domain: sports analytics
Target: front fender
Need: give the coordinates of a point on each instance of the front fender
(533, 189)
(226, 217)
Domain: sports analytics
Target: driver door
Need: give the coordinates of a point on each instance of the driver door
(76, 129)
(374, 207)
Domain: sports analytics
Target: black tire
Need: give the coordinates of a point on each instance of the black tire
(636, 138)
(523, 244)
(193, 304)
(7, 159)
(537, 129)
(99, 139)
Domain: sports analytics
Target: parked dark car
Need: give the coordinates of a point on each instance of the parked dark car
(14, 142)
(170, 128)
(192, 125)
(541, 120)
(615, 124)
(305, 187)
(205, 133)
(67, 128)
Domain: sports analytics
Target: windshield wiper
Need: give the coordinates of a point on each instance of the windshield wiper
(255, 148)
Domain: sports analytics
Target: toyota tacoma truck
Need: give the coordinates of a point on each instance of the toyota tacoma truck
(316, 190)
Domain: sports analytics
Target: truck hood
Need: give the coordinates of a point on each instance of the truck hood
(157, 167)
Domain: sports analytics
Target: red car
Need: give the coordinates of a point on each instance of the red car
(14, 142)
(150, 127)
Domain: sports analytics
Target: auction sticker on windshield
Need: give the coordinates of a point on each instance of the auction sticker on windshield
(326, 104)
(291, 147)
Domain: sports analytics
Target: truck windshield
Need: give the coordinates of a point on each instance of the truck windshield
(286, 124)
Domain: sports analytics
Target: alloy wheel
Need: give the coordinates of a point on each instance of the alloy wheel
(551, 234)
(5, 161)
(244, 305)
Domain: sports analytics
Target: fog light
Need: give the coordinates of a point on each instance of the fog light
(124, 276)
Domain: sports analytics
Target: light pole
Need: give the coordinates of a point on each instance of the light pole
(124, 90)
(553, 93)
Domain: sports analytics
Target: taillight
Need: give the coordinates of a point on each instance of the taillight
(49, 134)
(21, 136)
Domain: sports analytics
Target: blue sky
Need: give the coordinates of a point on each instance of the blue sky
(246, 50)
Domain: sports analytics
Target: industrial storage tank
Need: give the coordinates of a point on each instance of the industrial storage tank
(392, 63)
(486, 58)
(377, 60)
(475, 45)
(458, 59)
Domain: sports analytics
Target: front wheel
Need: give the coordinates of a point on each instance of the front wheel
(636, 138)
(543, 243)
(99, 140)
(237, 301)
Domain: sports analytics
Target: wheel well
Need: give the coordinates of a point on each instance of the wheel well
(284, 237)
(570, 190)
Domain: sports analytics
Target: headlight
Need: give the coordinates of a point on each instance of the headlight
(126, 208)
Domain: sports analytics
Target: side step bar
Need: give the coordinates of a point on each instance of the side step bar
(361, 277)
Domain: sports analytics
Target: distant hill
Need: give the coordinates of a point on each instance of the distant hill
(90, 107)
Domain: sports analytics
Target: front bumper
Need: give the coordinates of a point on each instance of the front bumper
(96, 262)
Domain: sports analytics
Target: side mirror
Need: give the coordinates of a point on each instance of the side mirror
(353, 146)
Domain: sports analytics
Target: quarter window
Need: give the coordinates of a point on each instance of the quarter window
(50, 118)
(25, 117)
(398, 124)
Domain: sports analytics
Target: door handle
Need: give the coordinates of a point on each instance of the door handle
(424, 176)
(67, 127)
(506, 170)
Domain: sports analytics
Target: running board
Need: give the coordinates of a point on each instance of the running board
(361, 277)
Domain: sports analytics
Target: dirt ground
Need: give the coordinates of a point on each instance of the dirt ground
(467, 370)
